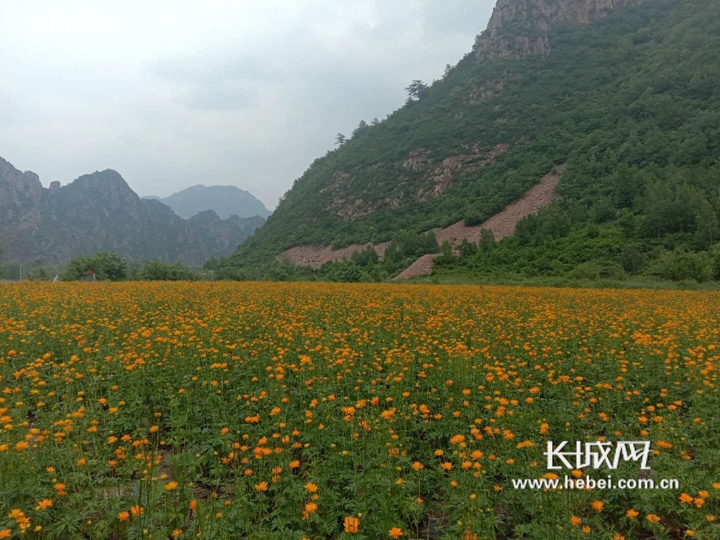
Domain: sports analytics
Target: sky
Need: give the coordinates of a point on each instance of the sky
(174, 93)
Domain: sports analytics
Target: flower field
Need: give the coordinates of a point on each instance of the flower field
(289, 411)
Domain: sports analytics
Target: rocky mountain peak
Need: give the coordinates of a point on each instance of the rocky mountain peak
(18, 187)
(519, 28)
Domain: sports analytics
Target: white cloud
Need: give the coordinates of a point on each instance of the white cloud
(175, 93)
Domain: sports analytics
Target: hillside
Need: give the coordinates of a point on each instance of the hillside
(623, 93)
(225, 201)
(99, 212)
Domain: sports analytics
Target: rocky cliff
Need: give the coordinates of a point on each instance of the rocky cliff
(519, 28)
(100, 212)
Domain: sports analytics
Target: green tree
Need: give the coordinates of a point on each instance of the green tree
(105, 265)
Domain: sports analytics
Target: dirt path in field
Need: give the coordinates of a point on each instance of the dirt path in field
(502, 225)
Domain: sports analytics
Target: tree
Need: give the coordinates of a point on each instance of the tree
(417, 90)
(715, 256)
(362, 128)
(340, 140)
(487, 240)
(105, 265)
(467, 249)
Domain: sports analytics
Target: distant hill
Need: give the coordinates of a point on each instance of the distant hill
(99, 212)
(624, 94)
(225, 201)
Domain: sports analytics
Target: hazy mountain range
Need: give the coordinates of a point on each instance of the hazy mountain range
(225, 201)
(100, 212)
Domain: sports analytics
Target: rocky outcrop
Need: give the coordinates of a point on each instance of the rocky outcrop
(519, 28)
(100, 212)
(417, 175)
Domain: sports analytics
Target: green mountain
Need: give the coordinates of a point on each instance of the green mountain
(624, 94)
(225, 201)
(99, 212)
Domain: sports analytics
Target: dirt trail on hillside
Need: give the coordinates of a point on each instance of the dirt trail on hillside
(502, 225)
(316, 255)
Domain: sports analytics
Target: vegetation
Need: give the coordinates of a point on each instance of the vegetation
(103, 265)
(112, 267)
(164, 271)
(294, 411)
(631, 105)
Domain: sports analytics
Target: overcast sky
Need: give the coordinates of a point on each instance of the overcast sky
(173, 93)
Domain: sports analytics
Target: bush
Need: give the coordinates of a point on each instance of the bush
(682, 265)
(163, 271)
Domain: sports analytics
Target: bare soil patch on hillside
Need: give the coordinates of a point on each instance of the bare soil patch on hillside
(501, 224)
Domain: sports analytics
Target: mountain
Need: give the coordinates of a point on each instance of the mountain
(225, 201)
(99, 212)
(623, 95)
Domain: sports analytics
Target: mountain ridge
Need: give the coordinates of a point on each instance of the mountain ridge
(100, 212)
(226, 201)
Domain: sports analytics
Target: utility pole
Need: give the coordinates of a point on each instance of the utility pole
(20, 264)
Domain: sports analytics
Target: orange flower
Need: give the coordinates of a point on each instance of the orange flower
(5, 533)
(685, 498)
(632, 514)
(310, 507)
(45, 503)
(395, 532)
(171, 486)
(575, 521)
(137, 510)
(193, 505)
(124, 516)
(597, 506)
(295, 464)
(262, 486)
(352, 525)
(310, 487)
(653, 518)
